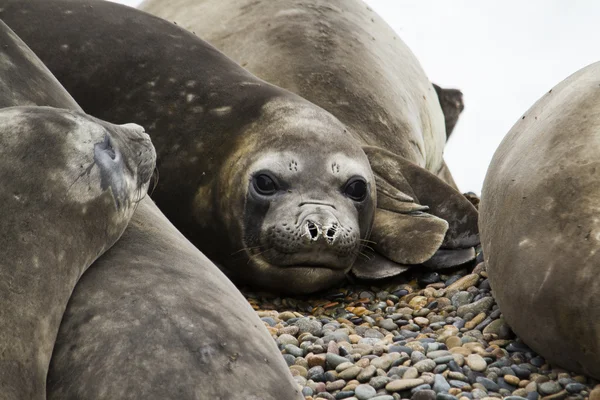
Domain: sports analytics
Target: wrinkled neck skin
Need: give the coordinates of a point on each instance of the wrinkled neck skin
(308, 233)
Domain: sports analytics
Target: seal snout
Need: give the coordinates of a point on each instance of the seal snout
(316, 231)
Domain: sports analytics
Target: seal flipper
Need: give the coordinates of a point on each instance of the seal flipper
(451, 101)
(373, 265)
(407, 238)
(400, 240)
(427, 189)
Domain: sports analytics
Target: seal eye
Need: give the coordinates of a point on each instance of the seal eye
(356, 189)
(265, 185)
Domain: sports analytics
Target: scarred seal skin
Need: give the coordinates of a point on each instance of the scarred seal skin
(274, 189)
(539, 224)
(70, 184)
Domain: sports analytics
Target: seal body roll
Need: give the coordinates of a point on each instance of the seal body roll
(70, 184)
(539, 224)
(274, 189)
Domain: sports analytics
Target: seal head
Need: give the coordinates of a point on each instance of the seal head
(299, 209)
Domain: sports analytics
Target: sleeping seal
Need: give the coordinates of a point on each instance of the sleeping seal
(540, 228)
(143, 320)
(70, 184)
(272, 188)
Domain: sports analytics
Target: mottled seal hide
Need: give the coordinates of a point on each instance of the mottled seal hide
(143, 320)
(154, 319)
(274, 189)
(338, 54)
(70, 184)
(540, 228)
(343, 57)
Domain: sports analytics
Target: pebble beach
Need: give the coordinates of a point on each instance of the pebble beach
(424, 336)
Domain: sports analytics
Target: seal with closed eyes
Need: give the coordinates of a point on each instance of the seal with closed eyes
(70, 184)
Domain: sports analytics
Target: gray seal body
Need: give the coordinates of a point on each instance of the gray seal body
(70, 184)
(274, 189)
(539, 224)
(153, 318)
(337, 54)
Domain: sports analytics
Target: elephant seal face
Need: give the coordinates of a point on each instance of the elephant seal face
(308, 204)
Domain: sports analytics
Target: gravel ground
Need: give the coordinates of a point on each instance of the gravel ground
(424, 336)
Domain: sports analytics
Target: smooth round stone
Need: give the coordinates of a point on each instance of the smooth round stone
(425, 394)
(445, 396)
(411, 373)
(387, 324)
(269, 321)
(366, 374)
(294, 350)
(287, 339)
(364, 392)
(336, 385)
(533, 396)
(379, 382)
(476, 362)
(512, 380)
(333, 360)
(289, 359)
(574, 387)
(299, 370)
(325, 396)
(317, 374)
(453, 341)
(344, 394)
(475, 308)
(309, 325)
(548, 388)
(425, 365)
(488, 384)
(383, 397)
(306, 391)
(515, 398)
(440, 384)
(417, 356)
(350, 373)
(399, 385)
(443, 360)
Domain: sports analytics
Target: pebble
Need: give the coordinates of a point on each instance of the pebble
(476, 362)
(364, 392)
(403, 384)
(425, 394)
(550, 387)
(430, 337)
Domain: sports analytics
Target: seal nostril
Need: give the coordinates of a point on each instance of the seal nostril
(313, 231)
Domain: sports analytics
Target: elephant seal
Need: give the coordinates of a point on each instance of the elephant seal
(275, 190)
(142, 322)
(70, 184)
(338, 54)
(539, 224)
(154, 319)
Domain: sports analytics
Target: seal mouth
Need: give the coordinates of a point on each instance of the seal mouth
(297, 260)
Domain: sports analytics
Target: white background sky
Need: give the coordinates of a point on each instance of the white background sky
(502, 55)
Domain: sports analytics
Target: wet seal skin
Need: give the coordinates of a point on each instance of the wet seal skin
(61, 207)
(539, 224)
(239, 158)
